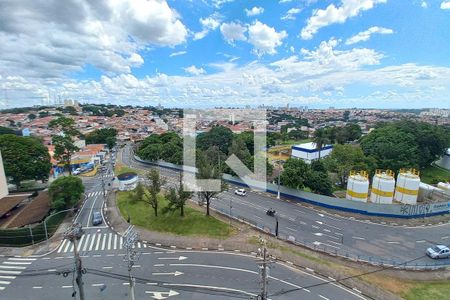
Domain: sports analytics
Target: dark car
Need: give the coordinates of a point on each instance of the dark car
(97, 218)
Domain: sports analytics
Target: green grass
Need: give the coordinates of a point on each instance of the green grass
(194, 223)
(120, 169)
(435, 290)
(433, 175)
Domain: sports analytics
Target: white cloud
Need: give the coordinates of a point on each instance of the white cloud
(220, 3)
(254, 11)
(177, 53)
(265, 39)
(284, 1)
(332, 14)
(445, 5)
(233, 32)
(290, 15)
(193, 70)
(424, 4)
(365, 35)
(59, 39)
(208, 24)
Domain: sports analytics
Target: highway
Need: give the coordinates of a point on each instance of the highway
(318, 228)
(160, 273)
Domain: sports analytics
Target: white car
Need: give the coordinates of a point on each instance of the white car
(240, 192)
(438, 251)
(76, 172)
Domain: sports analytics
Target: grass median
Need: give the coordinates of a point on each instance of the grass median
(194, 223)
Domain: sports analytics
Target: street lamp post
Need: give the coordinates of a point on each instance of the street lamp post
(280, 164)
(52, 215)
(276, 226)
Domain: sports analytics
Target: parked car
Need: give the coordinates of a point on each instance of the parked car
(76, 171)
(97, 218)
(438, 251)
(240, 192)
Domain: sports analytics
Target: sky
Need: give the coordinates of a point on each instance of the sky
(226, 53)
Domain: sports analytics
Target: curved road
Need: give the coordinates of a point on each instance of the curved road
(159, 273)
(329, 232)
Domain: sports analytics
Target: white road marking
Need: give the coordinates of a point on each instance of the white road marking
(17, 263)
(37, 287)
(104, 241)
(107, 267)
(80, 242)
(109, 241)
(358, 238)
(21, 259)
(7, 277)
(115, 241)
(421, 241)
(67, 286)
(324, 298)
(5, 282)
(67, 246)
(289, 228)
(392, 242)
(91, 246)
(86, 243)
(12, 267)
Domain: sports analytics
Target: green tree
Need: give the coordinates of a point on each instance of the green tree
(345, 158)
(295, 172)
(208, 170)
(64, 142)
(31, 116)
(321, 138)
(102, 136)
(219, 136)
(177, 199)
(153, 188)
(65, 192)
(6, 130)
(391, 148)
(24, 158)
(319, 182)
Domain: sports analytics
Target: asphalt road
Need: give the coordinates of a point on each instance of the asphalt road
(334, 233)
(159, 273)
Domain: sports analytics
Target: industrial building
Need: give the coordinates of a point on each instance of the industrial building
(309, 152)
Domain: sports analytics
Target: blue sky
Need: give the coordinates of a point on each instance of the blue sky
(206, 53)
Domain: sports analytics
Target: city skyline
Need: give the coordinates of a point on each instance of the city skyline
(228, 53)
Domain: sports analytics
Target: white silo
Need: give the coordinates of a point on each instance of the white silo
(383, 185)
(358, 186)
(407, 189)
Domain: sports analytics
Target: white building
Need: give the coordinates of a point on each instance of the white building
(308, 151)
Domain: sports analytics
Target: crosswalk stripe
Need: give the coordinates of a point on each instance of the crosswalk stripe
(12, 267)
(22, 259)
(115, 241)
(120, 242)
(62, 246)
(110, 241)
(104, 241)
(67, 246)
(86, 242)
(80, 242)
(2, 288)
(17, 263)
(71, 247)
(92, 242)
(7, 277)
(97, 245)
(10, 272)
(5, 282)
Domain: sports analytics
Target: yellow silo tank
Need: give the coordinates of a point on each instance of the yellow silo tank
(383, 185)
(408, 182)
(357, 186)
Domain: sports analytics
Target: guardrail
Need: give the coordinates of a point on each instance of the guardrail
(373, 209)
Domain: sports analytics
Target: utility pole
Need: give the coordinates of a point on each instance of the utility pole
(263, 266)
(74, 233)
(130, 239)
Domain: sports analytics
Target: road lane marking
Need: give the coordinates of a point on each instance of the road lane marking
(86, 243)
(358, 238)
(67, 286)
(392, 242)
(324, 298)
(21, 259)
(421, 241)
(289, 228)
(17, 263)
(12, 267)
(107, 267)
(104, 241)
(37, 287)
(109, 241)
(80, 242)
(115, 241)
(91, 246)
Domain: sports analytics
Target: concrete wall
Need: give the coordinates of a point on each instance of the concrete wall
(374, 209)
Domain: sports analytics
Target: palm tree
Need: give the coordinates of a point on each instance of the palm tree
(321, 138)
